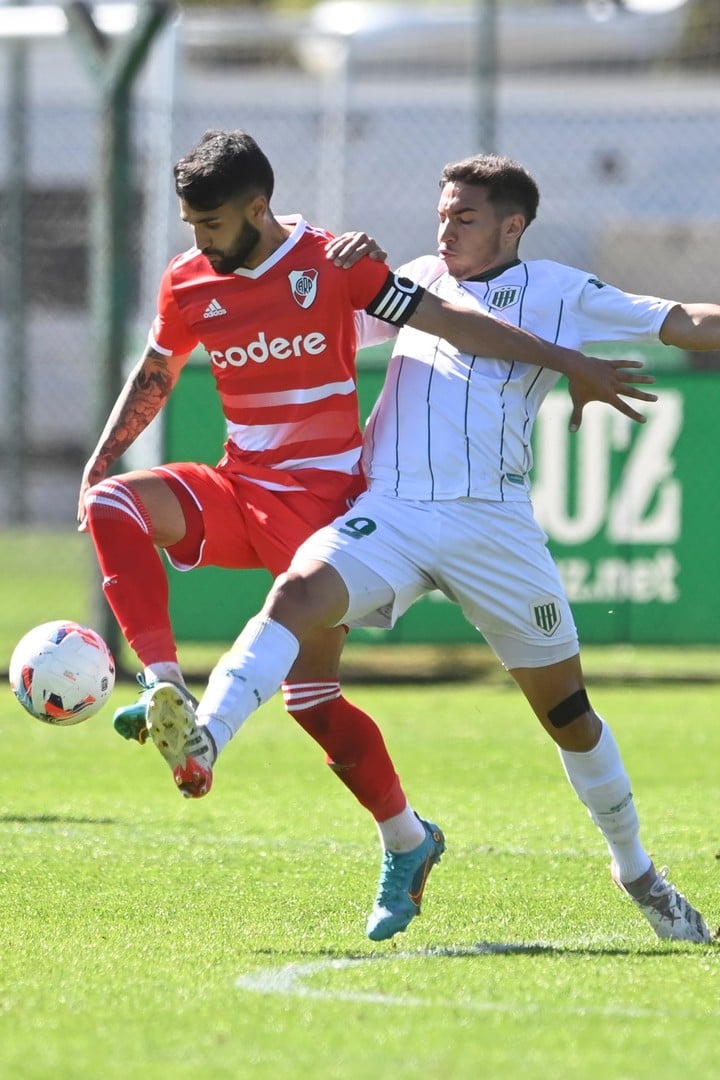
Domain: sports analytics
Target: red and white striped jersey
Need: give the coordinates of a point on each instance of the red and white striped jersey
(281, 341)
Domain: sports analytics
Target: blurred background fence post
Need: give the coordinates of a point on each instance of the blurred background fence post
(487, 67)
(114, 67)
(13, 279)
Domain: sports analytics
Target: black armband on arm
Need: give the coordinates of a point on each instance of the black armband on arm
(396, 301)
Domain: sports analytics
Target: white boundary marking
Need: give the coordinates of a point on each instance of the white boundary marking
(291, 980)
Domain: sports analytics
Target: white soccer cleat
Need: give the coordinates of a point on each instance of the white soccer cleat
(187, 748)
(671, 916)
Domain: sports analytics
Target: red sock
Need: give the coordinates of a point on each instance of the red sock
(134, 579)
(354, 747)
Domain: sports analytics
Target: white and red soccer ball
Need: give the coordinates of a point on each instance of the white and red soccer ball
(62, 672)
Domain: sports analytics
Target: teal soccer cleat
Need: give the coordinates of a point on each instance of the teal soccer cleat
(402, 883)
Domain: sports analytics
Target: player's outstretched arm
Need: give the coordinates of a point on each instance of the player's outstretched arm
(146, 390)
(692, 326)
(591, 379)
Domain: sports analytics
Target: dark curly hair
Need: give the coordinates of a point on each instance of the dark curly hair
(224, 165)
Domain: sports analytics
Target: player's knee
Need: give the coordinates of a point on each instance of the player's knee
(112, 498)
(310, 601)
(570, 709)
(104, 489)
(573, 723)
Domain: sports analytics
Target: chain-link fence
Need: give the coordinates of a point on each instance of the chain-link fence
(616, 114)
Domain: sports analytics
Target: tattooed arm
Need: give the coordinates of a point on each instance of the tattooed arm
(146, 390)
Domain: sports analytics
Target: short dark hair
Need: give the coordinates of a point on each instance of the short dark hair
(510, 186)
(224, 165)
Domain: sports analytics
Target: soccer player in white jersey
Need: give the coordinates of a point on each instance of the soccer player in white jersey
(447, 456)
(276, 317)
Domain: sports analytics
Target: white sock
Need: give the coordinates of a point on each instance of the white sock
(600, 781)
(164, 671)
(403, 832)
(246, 677)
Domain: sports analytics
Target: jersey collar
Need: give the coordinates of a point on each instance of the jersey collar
(496, 271)
(299, 227)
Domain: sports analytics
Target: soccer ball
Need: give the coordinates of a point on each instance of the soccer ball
(62, 672)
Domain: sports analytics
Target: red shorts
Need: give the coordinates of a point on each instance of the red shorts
(245, 526)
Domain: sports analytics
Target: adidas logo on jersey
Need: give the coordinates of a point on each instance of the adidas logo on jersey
(214, 309)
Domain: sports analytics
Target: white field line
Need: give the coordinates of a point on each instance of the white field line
(291, 980)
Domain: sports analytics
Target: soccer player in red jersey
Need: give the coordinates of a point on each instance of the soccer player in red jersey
(276, 317)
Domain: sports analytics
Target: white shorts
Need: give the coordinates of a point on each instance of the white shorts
(489, 557)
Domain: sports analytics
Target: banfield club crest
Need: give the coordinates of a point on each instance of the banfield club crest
(304, 286)
(505, 296)
(545, 615)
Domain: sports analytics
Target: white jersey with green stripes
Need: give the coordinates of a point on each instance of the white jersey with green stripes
(448, 425)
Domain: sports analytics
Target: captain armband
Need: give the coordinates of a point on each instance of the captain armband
(396, 301)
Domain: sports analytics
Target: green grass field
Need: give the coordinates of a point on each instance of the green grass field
(148, 936)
